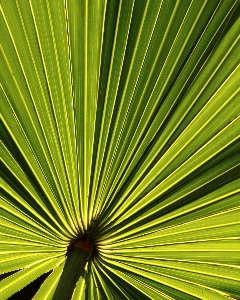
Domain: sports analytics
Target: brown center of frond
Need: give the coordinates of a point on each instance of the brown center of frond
(84, 244)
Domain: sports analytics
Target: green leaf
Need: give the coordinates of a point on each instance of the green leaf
(17, 281)
(120, 127)
(48, 287)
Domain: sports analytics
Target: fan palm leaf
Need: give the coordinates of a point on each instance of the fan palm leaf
(120, 127)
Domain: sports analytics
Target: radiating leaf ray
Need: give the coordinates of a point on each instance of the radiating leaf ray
(48, 287)
(85, 59)
(11, 284)
(110, 105)
(169, 130)
(34, 123)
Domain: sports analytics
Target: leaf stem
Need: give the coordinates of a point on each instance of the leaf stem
(79, 252)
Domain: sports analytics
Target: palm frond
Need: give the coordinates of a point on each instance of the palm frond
(121, 123)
